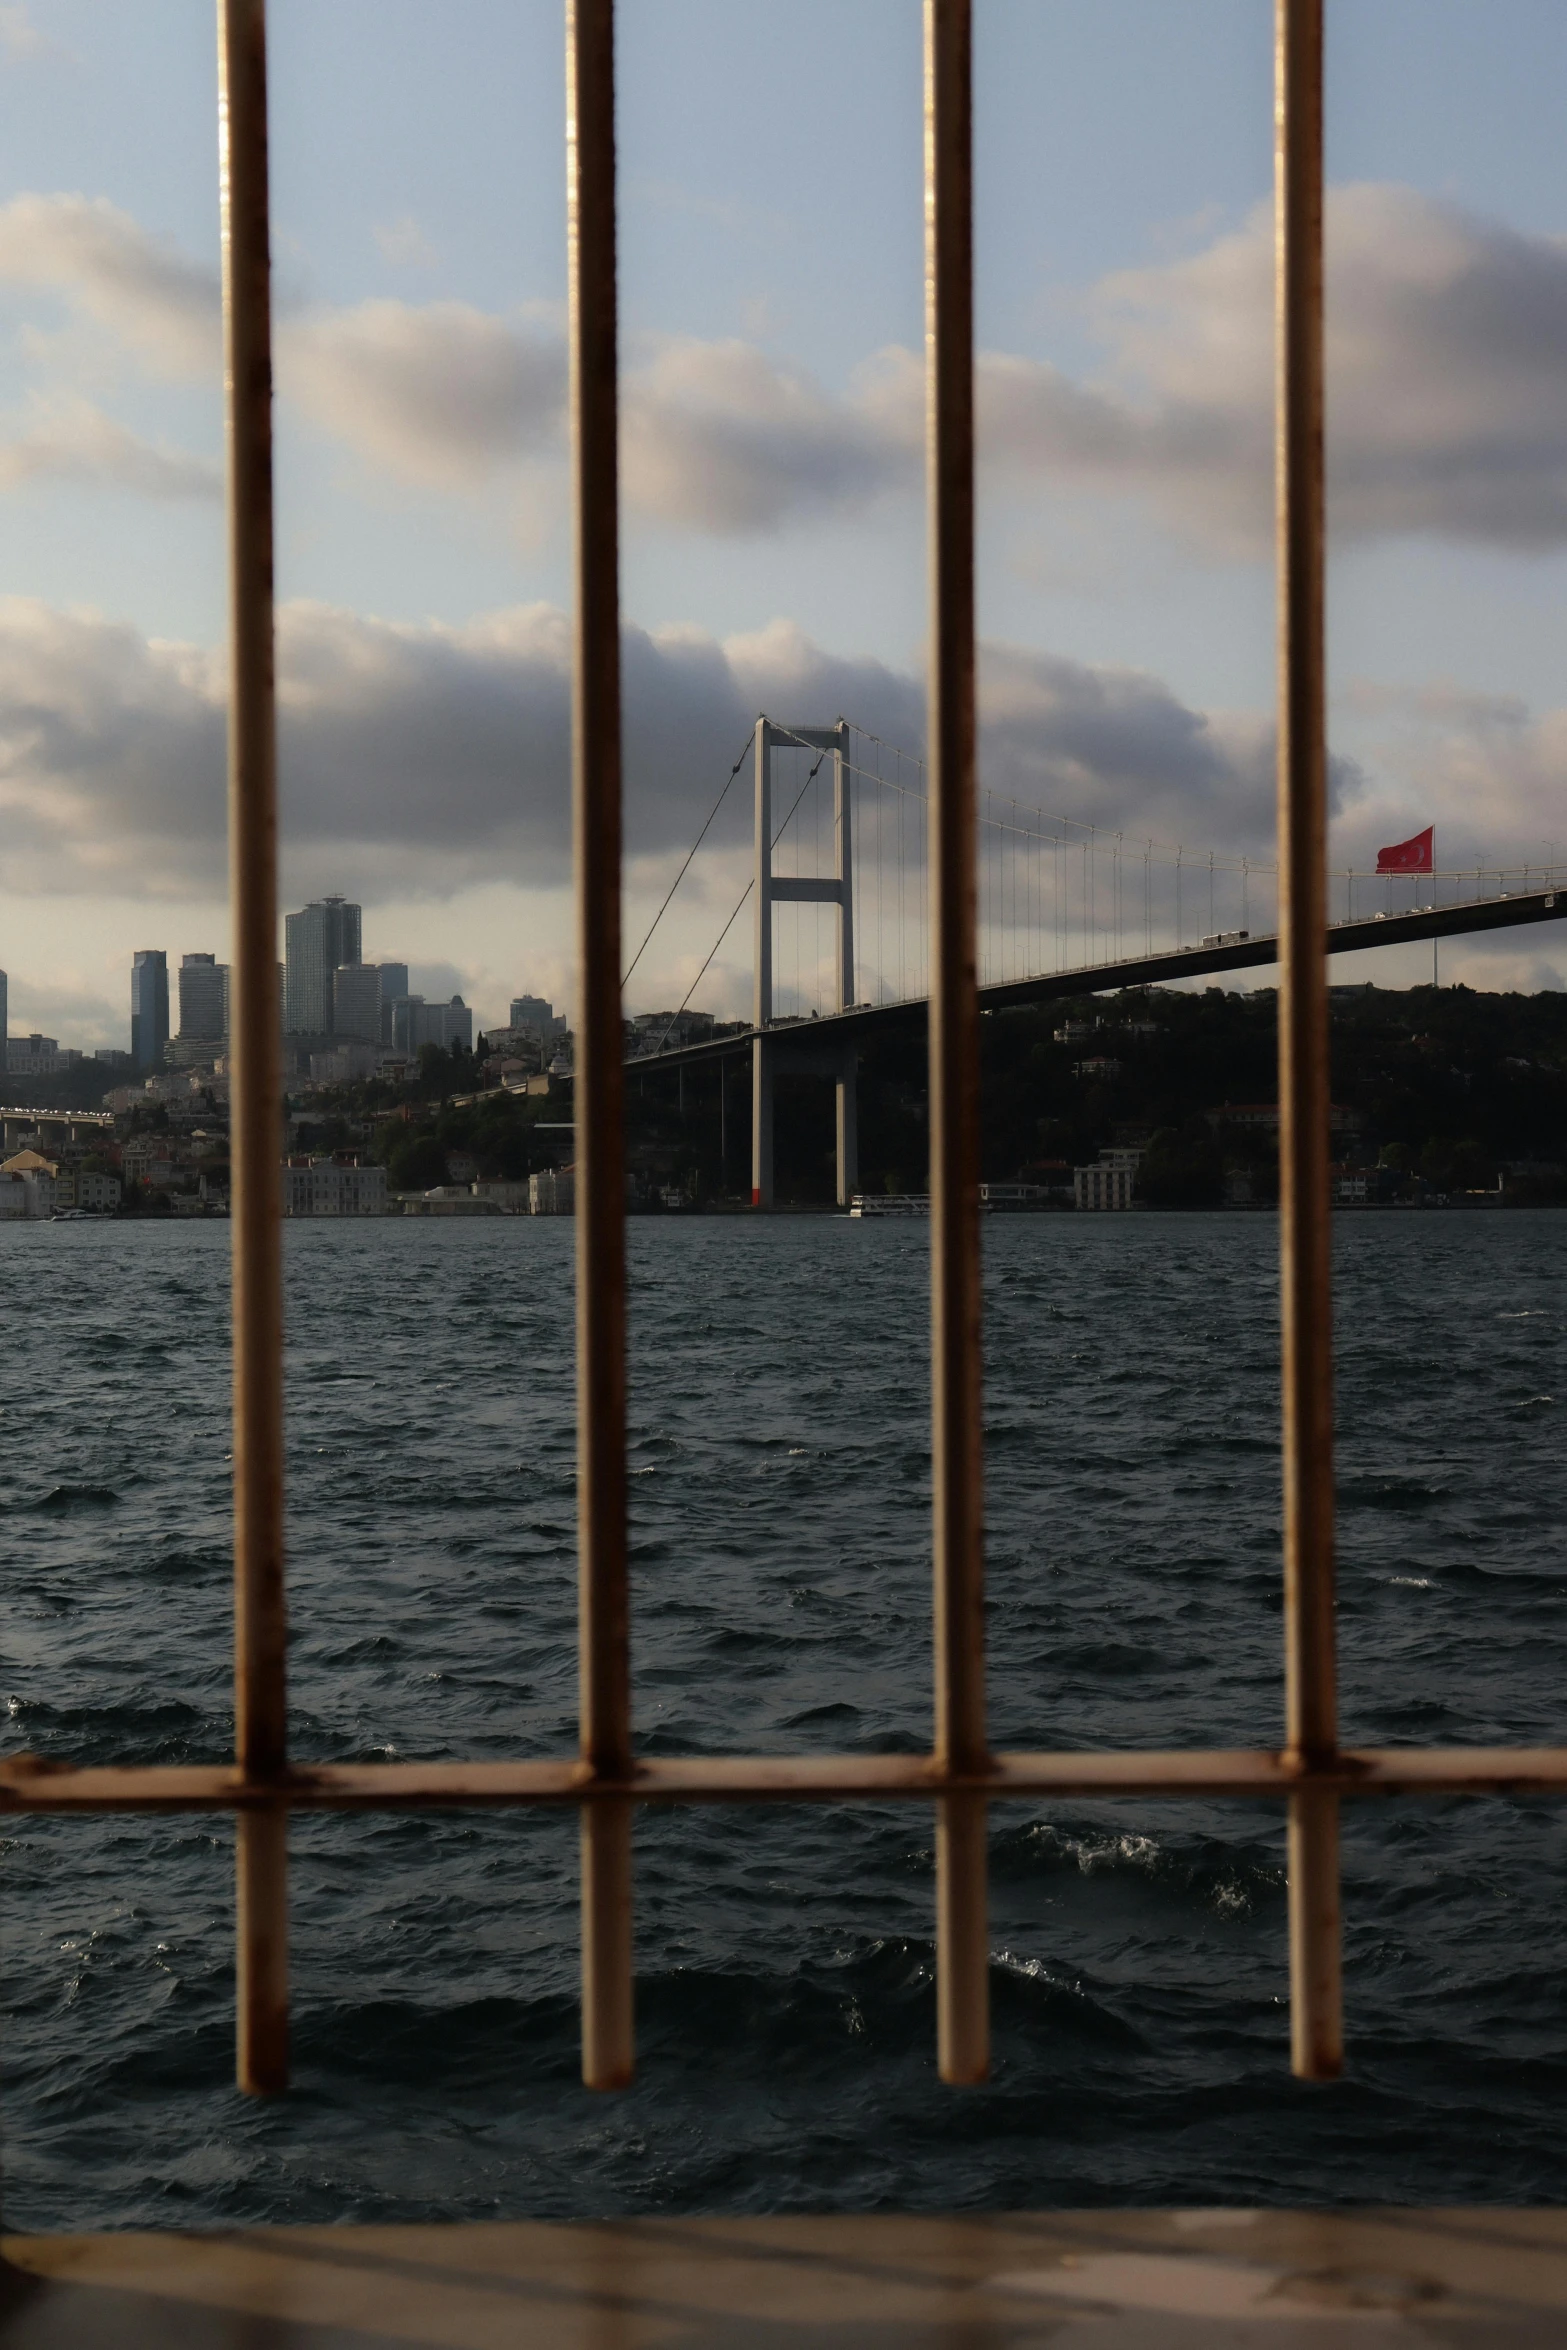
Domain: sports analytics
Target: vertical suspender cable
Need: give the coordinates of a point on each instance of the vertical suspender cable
(1311, 1697)
(603, 1630)
(260, 1628)
(962, 1994)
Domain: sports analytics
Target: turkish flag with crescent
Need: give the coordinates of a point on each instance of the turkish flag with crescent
(1409, 856)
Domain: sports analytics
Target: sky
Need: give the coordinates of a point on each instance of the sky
(771, 322)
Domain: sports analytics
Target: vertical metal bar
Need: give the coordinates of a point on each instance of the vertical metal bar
(843, 864)
(846, 1102)
(762, 984)
(604, 1657)
(1305, 1239)
(963, 2020)
(260, 1628)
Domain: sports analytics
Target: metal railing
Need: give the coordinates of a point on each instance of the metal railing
(959, 1774)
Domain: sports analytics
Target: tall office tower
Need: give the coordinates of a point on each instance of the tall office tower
(394, 986)
(531, 1011)
(149, 1008)
(317, 941)
(203, 999)
(356, 1001)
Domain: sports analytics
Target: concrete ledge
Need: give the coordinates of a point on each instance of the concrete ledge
(1104, 2280)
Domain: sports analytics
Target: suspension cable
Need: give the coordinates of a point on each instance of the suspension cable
(686, 867)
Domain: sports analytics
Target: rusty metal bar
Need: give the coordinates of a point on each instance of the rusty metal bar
(1305, 1245)
(260, 1626)
(605, 1663)
(30, 1784)
(963, 2017)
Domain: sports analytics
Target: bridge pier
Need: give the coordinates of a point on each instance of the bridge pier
(762, 1056)
(769, 1056)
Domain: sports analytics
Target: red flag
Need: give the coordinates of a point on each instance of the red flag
(1408, 856)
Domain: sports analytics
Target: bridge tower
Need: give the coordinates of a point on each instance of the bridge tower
(789, 1048)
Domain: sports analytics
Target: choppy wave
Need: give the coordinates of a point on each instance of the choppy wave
(785, 1991)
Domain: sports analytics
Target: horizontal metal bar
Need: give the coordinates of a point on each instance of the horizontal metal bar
(29, 1783)
(804, 890)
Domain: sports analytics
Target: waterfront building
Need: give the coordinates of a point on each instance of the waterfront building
(512, 1199)
(204, 999)
(76, 1187)
(553, 1192)
(1107, 1185)
(356, 1002)
(149, 1007)
(37, 1177)
(328, 1187)
(317, 940)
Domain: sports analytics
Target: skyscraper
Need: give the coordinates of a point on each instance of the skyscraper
(203, 998)
(356, 1001)
(149, 1008)
(533, 1011)
(317, 941)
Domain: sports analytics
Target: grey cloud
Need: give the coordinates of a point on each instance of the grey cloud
(1446, 336)
(718, 437)
(429, 758)
(155, 301)
(438, 393)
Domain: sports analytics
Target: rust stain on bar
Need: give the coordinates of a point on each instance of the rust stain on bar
(31, 1784)
(962, 1982)
(260, 1627)
(1306, 1268)
(605, 1667)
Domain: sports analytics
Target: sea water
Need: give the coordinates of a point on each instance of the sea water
(780, 1498)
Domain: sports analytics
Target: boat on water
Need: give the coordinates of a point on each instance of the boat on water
(890, 1203)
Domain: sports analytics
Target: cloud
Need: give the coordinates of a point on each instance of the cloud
(421, 760)
(439, 393)
(718, 437)
(77, 442)
(20, 38)
(1484, 768)
(1446, 338)
(404, 243)
(159, 305)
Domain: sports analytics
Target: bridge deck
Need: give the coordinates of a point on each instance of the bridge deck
(1464, 920)
(1105, 2280)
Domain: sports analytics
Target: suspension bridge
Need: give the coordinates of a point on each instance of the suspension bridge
(837, 894)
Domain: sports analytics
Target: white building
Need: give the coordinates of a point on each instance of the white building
(552, 1193)
(513, 1199)
(320, 1187)
(1105, 1186)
